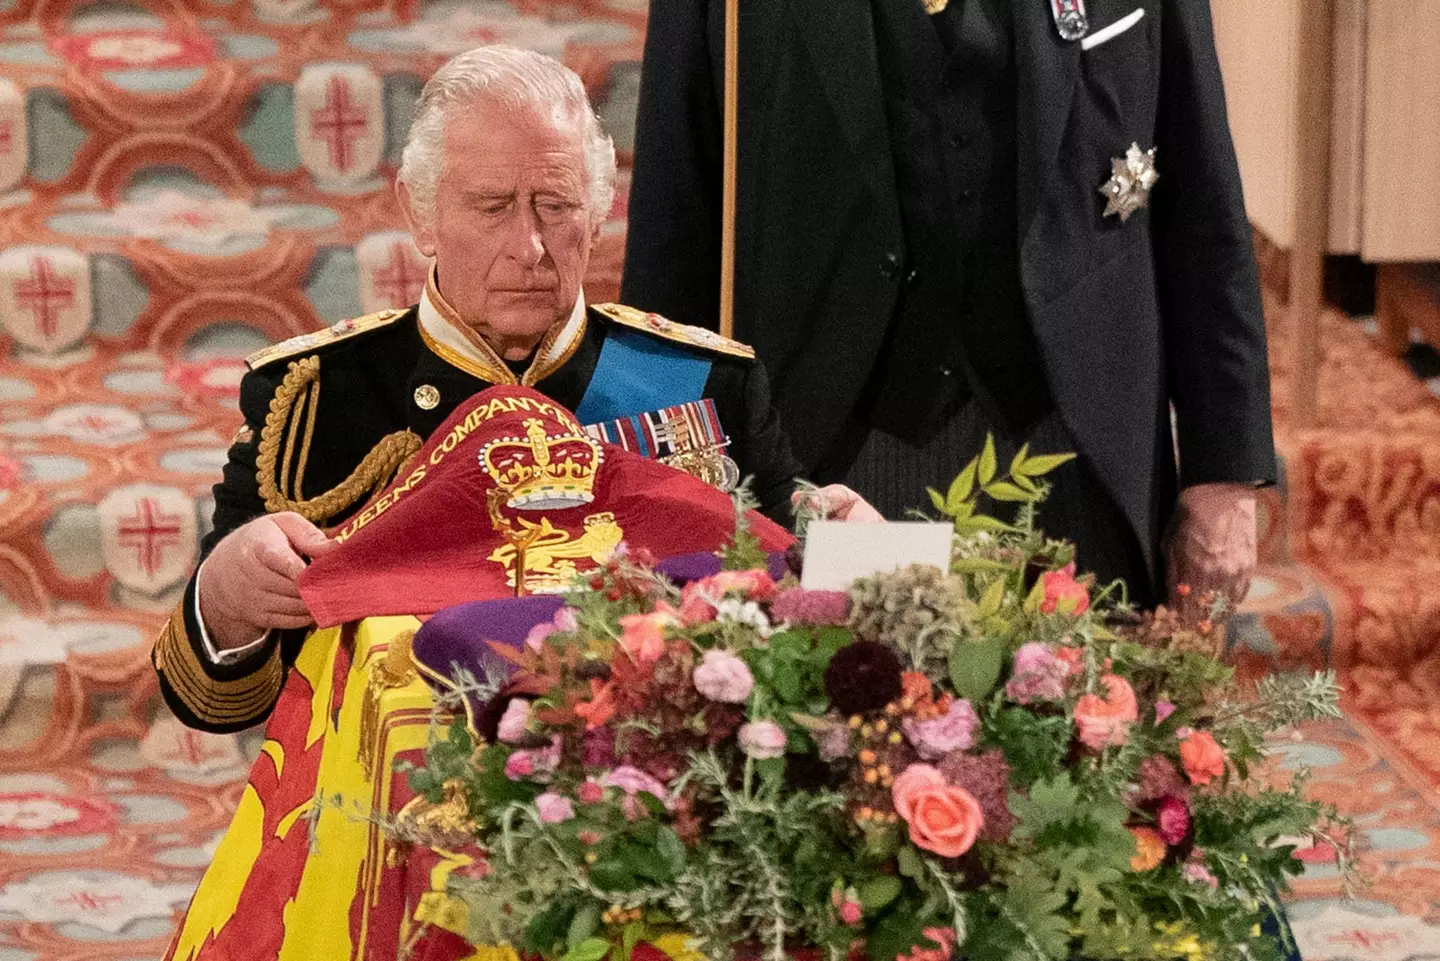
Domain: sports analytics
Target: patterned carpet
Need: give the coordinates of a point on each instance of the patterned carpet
(184, 180)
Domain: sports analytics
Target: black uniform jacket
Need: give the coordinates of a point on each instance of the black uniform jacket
(375, 390)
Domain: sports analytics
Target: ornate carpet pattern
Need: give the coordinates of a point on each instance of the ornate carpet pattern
(182, 181)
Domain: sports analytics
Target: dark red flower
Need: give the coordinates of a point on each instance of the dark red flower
(863, 677)
(1172, 819)
(599, 748)
(987, 777)
(1157, 778)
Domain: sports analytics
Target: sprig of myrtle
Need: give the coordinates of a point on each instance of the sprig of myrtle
(1021, 484)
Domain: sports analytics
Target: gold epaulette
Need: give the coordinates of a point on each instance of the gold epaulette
(320, 338)
(669, 330)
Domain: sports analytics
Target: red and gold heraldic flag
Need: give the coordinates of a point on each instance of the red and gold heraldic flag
(509, 496)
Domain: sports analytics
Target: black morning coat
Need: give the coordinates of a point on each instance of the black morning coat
(1129, 318)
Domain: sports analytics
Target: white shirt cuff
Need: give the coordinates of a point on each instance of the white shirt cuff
(231, 655)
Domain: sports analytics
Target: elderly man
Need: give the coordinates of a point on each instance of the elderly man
(505, 182)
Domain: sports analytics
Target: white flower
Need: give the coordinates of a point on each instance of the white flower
(732, 610)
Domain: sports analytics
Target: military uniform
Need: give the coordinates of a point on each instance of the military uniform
(331, 417)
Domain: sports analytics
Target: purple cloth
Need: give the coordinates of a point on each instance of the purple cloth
(462, 636)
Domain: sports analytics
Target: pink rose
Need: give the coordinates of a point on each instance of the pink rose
(851, 912)
(950, 732)
(538, 635)
(554, 808)
(1034, 658)
(632, 781)
(564, 620)
(1039, 675)
(723, 677)
(943, 818)
(519, 765)
(643, 635)
(591, 793)
(537, 764)
(1063, 593)
(1105, 721)
(513, 723)
(763, 740)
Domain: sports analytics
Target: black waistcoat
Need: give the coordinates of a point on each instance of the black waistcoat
(960, 329)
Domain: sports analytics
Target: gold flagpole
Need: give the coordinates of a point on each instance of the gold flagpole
(727, 209)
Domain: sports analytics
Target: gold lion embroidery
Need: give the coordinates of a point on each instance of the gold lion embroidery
(550, 554)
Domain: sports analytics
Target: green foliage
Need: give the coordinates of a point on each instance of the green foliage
(1051, 801)
(743, 551)
(900, 931)
(981, 477)
(975, 666)
(1035, 745)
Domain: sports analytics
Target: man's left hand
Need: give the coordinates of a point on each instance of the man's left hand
(1212, 544)
(839, 503)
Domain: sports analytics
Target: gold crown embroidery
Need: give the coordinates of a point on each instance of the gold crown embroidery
(543, 471)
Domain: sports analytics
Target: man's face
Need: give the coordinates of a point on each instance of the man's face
(512, 231)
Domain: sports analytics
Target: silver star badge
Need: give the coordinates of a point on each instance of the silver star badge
(1131, 178)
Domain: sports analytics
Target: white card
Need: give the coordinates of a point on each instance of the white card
(837, 553)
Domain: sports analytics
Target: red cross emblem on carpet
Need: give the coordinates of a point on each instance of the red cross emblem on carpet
(392, 271)
(14, 135)
(149, 537)
(339, 121)
(45, 297)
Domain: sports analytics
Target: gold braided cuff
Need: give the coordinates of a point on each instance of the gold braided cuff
(227, 703)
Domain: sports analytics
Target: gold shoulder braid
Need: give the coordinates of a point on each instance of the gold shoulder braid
(305, 343)
(669, 330)
(296, 399)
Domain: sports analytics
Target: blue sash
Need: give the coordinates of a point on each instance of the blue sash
(637, 372)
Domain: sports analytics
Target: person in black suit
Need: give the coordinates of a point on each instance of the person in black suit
(946, 227)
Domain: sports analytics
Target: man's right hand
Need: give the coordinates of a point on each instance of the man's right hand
(250, 583)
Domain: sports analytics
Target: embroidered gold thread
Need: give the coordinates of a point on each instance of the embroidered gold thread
(541, 368)
(501, 375)
(216, 701)
(395, 670)
(287, 486)
(312, 407)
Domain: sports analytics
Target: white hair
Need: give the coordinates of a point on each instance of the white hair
(514, 79)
